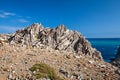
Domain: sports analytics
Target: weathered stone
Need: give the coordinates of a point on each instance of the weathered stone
(118, 71)
(63, 71)
(58, 38)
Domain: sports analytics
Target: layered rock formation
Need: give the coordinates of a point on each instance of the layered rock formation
(58, 38)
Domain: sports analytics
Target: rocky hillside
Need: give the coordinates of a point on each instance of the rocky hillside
(58, 38)
(65, 51)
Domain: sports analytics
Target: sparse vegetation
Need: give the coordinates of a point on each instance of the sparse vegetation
(36, 37)
(44, 71)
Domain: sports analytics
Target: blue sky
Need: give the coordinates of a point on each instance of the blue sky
(93, 18)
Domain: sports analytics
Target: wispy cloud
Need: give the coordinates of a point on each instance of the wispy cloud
(9, 28)
(14, 17)
(4, 14)
(23, 20)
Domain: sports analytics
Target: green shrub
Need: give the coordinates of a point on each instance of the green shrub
(44, 70)
(36, 37)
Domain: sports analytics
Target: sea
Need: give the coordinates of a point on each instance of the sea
(107, 46)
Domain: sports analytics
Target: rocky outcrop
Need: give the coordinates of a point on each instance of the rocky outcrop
(16, 60)
(116, 61)
(4, 37)
(58, 38)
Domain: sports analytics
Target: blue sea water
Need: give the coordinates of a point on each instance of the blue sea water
(107, 46)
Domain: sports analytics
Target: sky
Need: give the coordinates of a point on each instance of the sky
(92, 18)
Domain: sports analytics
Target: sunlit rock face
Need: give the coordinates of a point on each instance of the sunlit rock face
(58, 38)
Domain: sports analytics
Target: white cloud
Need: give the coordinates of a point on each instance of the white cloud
(8, 14)
(23, 20)
(4, 14)
(9, 28)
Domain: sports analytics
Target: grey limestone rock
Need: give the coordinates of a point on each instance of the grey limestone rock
(58, 38)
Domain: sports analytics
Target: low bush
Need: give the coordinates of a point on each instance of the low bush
(43, 70)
